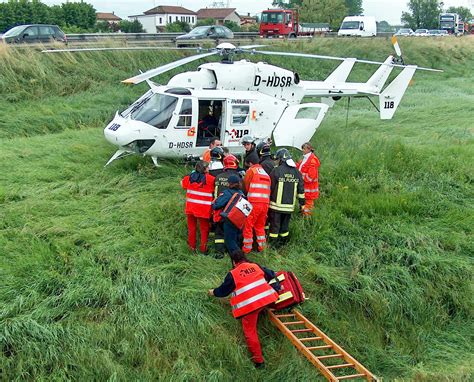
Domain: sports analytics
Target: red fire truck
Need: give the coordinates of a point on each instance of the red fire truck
(279, 23)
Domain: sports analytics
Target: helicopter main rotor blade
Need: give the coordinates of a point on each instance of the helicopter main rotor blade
(250, 46)
(162, 69)
(288, 54)
(106, 49)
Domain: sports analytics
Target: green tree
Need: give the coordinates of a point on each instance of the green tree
(323, 11)
(384, 26)
(354, 7)
(287, 4)
(81, 15)
(464, 12)
(422, 14)
(204, 22)
(178, 26)
(134, 26)
(103, 27)
(233, 26)
(56, 15)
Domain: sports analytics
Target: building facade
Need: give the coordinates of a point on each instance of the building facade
(221, 15)
(155, 20)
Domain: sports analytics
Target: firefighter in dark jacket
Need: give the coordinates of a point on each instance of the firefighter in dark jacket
(287, 186)
(265, 155)
(250, 151)
(231, 164)
(231, 232)
(248, 283)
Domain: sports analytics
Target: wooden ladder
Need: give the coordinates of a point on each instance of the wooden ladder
(294, 323)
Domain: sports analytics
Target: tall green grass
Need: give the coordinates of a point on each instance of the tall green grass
(97, 282)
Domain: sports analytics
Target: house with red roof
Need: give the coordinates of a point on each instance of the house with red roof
(221, 15)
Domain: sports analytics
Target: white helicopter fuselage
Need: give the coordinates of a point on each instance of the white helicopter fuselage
(227, 100)
(251, 100)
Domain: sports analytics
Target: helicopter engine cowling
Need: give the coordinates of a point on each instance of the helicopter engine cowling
(202, 79)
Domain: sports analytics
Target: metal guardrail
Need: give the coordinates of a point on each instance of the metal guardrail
(141, 36)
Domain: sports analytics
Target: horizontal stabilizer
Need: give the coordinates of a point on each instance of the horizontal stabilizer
(390, 98)
(341, 73)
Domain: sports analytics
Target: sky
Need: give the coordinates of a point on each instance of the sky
(388, 10)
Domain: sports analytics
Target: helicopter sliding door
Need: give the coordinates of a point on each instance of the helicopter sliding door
(209, 121)
(298, 124)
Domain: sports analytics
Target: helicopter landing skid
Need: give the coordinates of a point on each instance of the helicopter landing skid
(118, 155)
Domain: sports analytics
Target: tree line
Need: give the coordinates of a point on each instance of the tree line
(71, 17)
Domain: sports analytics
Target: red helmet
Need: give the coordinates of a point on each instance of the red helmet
(231, 161)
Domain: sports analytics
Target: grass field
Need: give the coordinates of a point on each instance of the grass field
(97, 282)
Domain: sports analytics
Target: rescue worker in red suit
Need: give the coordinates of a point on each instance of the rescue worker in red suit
(309, 167)
(257, 186)
(199, 188)
(248, 283)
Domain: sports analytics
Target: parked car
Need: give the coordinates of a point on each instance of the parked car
(211, 31)
(34, 33)
(422, 32)
(434, 33)
(443, 33)
(405, 32)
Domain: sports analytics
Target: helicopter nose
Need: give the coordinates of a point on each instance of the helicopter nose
(119, 132)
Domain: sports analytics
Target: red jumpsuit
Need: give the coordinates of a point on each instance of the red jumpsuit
(257, 186)
(252, 293)
(309, 167)
(198, 209)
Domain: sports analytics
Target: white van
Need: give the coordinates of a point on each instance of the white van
(362, 26)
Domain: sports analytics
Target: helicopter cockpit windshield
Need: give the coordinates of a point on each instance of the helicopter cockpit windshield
(155, 109)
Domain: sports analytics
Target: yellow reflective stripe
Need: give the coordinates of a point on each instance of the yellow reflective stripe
(283, 297)
(282, 207)
(279, 278)
(285, 234)
(219, 241)
(273, 235)
(295, 190)
(301, 196)
(279, 192)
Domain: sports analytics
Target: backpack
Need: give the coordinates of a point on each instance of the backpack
(237, 210)
(290, 293)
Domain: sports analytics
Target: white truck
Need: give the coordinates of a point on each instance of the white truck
(360, 26)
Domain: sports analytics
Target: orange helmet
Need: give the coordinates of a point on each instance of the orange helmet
(231, 161)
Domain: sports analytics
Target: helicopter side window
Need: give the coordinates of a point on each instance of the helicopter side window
(240, 115)
(157, 111)
(186, 114)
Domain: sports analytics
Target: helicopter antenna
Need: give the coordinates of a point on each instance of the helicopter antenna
(347, 112)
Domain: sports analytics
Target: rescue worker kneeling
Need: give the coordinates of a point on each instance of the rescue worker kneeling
(231, 232)
(248, 283)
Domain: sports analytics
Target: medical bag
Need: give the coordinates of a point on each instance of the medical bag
(237, 210)
(290, 293)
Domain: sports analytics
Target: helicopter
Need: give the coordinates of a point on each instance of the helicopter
(231, 99)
